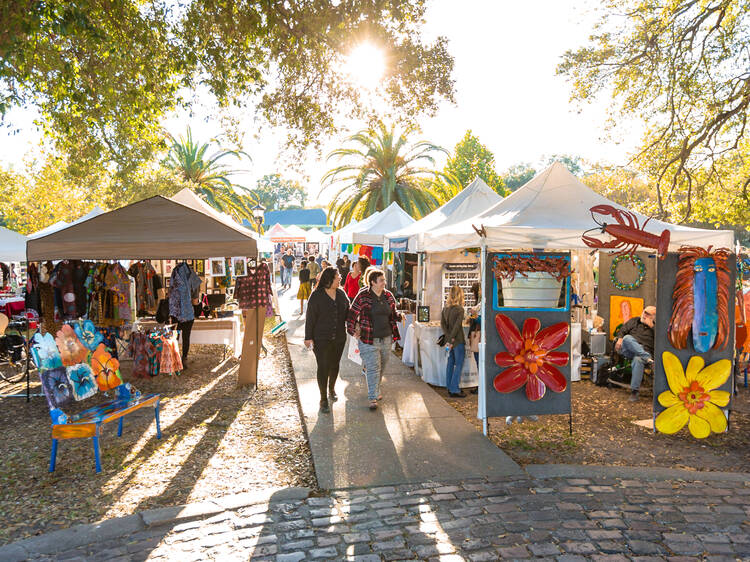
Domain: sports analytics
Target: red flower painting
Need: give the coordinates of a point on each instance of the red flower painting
(529, 357)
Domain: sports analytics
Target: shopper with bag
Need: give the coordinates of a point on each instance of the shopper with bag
(372, 320)
(451, 321)
(325, 331)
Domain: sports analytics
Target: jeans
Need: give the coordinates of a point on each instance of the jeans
(328, 357)
(634, 350)
(455, 364)
(286, 276)
(375, 357)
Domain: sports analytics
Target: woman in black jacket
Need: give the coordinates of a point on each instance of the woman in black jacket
(325, 331)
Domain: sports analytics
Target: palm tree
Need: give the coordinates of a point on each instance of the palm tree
(381, 169)
(209, 177)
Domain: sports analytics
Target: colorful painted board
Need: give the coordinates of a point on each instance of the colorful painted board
(622, 309)
(81, 379)
(56, 387)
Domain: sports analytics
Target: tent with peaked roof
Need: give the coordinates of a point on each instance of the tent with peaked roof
(157, 228)
(59, 225)
(12, 245)
(372, 230)
(278, 233)
(551, 211)
(469, 202)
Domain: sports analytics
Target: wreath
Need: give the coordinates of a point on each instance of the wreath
(638, 262)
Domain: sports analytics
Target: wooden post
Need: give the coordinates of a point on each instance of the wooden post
(248, 372)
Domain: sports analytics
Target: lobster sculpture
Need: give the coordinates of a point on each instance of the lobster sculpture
(627, 233)
(701, 299)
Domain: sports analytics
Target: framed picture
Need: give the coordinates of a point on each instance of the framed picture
(622, 309)
(169, 266)
(199, 267)
(216, 267)
(239, 267)
(423, 314)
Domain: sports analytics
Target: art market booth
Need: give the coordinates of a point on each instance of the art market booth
(541, 299)
(165, 267)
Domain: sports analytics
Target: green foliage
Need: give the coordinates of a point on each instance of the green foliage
(472, 159)
(209, 177)
(104, 74)
(517, 175)
(275, 193)
(380, 168)
(681, 67)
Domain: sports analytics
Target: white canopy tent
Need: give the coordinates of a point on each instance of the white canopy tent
(372, 230)
(59, 225)
(551, 211)
(345, 231)
(315, 235)
(296, 232)
(12, 246)
(475, 198)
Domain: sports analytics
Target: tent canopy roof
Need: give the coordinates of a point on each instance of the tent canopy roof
(315, 235)
(157, 228)
(12, 245)
(552, 211)
(475, 198)
(278, 233)
(372, 230)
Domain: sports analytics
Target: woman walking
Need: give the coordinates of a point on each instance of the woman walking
(372, 320)
(303, 293)
(451, 321)
(325, 331)
(351, 285)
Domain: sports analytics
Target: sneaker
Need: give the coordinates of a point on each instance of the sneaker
(324, 406)
(459, 394)
(332, 396)
(509, 420)
(534, 418)
(373, 404)
(633, 396)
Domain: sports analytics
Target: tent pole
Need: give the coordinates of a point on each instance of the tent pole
(482, 340)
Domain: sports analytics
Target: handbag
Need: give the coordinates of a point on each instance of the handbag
(441, 340)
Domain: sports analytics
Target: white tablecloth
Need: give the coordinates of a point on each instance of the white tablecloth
(403, 327)
(433, 360)
(409, 356)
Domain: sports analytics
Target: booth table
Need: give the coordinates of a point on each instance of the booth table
(433, 359)
(211, 331)
(10, 306)
(407, 319)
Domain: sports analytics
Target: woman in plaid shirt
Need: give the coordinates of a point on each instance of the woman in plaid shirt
(372, 320)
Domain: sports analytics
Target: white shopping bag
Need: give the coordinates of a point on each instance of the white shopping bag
(353, 353)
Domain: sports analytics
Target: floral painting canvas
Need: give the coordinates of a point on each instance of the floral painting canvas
(56, 387)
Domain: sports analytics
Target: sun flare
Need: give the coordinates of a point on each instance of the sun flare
(366, 65)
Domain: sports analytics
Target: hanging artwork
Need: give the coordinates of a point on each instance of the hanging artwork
(627, 234)
(692, 397)
(530, 359)
(700, 301)
(637, 262)
(239, 267)
(199, 267)
(508, 266)
(622, 309)
(45, 352)
(216, 267)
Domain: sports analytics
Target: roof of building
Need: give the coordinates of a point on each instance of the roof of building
(300, 217)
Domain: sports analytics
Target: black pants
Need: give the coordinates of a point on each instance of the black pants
(185, 328)
(328, 356)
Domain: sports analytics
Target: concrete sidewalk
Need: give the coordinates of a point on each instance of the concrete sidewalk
(414, 436)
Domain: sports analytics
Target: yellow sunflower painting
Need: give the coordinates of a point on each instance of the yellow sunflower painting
(692, 397)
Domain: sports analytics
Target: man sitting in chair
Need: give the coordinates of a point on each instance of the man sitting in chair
(635, 340)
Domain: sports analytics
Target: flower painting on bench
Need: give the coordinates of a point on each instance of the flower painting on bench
(56, 387)
(82, 381)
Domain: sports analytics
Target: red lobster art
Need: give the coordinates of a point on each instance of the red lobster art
(627, 234)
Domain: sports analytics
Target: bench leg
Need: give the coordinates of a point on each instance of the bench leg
(158, 425)
(98, 461)
(119, 427)
(53, 456)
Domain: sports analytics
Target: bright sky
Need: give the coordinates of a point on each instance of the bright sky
(507, 94)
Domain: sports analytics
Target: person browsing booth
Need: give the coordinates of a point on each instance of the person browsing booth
(635, 340)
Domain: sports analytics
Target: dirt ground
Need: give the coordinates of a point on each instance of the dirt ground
(604, 434)
(216, 440)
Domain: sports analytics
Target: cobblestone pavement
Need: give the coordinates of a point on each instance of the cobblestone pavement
(564, 519)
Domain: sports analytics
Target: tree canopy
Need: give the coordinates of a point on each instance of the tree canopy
(472, 159)
(682, 67)
(379, 167)
(276, 193)
(104, 74)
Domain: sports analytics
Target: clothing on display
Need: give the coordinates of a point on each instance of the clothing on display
(184, 286)
(254, 289)
(147, 285)
(140, 349)
(108, 287)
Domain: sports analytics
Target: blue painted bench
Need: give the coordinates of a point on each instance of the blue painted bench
(89, 422)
